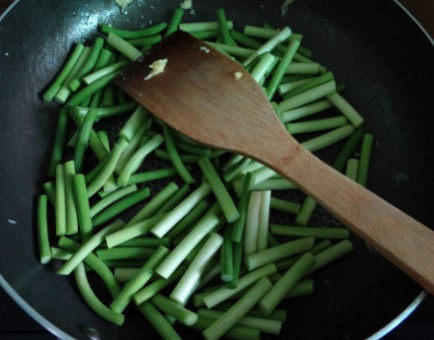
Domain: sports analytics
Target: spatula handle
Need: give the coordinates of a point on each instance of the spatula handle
(404, 241)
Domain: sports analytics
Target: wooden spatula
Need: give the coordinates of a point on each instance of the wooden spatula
(199, 95)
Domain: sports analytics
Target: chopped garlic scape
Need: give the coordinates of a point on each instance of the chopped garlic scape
(238, 75)
(156, 67)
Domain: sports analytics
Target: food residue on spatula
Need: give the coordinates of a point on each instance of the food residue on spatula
(123, 4)
(238, 75)
(156, 67)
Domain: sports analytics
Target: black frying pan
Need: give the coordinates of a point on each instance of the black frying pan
(372, 46)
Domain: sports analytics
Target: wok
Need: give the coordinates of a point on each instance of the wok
(372, 46)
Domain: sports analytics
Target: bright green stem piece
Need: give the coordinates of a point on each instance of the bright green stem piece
(288, 281)
(42, 224)
(132, 125)
(120, 206)
(127, 34)
(237, 332)
(352, 168)
(82, 205)
(329, 138)
(252, 223)
(60, 201)
(89, 90)
(281, 68)
(316, 125)
(146, 41)
(181, 210)
(308, 96)
(234, 314)
(180, 252)
(281, 36)
(262, 68)
(285, 206)
(189, 219)
(178, 311)
(155, 287)
(281, 251)
(174, 156)
(347, 110)
(71, 210)
(91, 77)
(203, 26)
(224, 29)
(190, 280)
(152, 175)
(303, 288)
(145, 273)
(296, 231)
(87, 247)
(155, 204)
(124, 253)
(261, 323)
(137, 159)
(111, 198)
(331, 254)
(92, 300)
(83, 138)
(227, 256)
(224, 293)
(93, 262)
(274, 184)
(175, 21)
(238, 229)
(311, 83)
(263, 221)
(66, 70)
(108, 168)
(365, 157)
(132, 231)
(305, 111)
(59, 142)
(159, 322)
(123, 47)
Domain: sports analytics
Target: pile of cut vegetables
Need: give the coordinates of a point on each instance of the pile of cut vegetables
(201, 252)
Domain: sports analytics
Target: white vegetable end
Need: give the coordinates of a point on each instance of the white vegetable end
(205, 49)
(187, 4)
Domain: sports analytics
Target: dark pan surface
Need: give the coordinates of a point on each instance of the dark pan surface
(372, 46)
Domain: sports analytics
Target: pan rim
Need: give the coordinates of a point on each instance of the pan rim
(56, 331)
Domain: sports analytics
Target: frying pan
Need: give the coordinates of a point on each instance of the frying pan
(372, 46)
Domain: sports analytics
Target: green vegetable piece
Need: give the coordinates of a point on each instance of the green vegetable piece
(82, 205)
(87, 247)
(120, 206)
(238, 310)
(159, 322)
(66, 70)
(43, 241)
(225, 200)
(92, 300)
(286, 283)
(365, 157)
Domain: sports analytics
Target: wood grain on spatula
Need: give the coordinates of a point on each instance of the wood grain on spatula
(199, 95)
